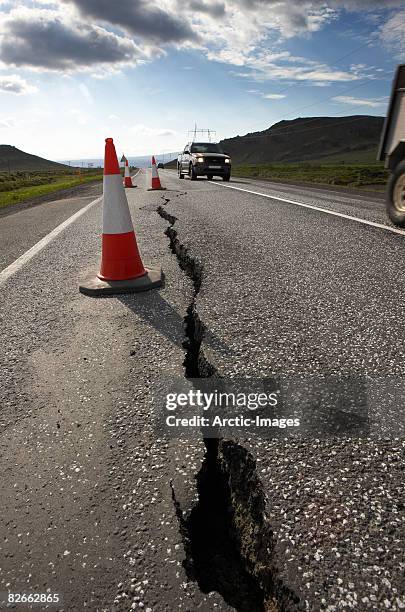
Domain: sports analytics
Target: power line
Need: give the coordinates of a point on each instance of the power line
(352, 52)
(196, 131)
(334, 95)
(337, 61)
(347, 90)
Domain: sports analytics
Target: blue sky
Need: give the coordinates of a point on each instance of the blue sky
(75, 71)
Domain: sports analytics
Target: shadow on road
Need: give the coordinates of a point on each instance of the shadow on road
(161, 315)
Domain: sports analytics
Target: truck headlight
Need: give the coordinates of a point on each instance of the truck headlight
(200, 160)
(227, 161)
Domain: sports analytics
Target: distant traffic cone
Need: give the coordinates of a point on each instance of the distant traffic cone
(156, 184)
(121, 270)
(127, 176)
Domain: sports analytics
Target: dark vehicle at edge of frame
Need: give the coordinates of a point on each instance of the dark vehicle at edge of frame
(392, 149)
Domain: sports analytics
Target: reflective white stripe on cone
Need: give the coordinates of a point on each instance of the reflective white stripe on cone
(156, 184)
(127, 176)
(116, 217)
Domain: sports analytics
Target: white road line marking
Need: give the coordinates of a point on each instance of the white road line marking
(28, 255)
(393, 230)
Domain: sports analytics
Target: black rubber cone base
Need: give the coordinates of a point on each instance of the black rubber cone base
(94, 286)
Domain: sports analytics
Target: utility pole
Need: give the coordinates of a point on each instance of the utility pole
(206, 131)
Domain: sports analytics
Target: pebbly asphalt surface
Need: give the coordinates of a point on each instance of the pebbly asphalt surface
(86, 508)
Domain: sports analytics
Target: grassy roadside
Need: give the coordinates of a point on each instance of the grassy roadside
(359, 176)
(21, 186)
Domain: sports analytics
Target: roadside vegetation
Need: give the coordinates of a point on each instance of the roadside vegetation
(20, 186)
(360, 176)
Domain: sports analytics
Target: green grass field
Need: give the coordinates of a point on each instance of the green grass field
(20, 186)
(366, 157)
(360, 176)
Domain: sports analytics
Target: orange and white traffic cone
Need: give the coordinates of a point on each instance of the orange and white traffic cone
(156, 184)
(121, 270)
(127, 176)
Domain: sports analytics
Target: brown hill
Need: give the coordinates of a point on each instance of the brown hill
(311, 138)
(14, 160)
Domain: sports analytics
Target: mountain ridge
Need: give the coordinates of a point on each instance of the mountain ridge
(306, 139)
(15, 160)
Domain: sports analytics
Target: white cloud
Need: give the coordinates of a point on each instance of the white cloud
(269, 96)
(8, 122)
(14, 84)
(81, 118)
(150, 20)
(45, 39)
(392, 34)
(364, 5)
(263, 66)
(370, 102)
(274, 96)
(86, 93)
(95, 36)
(144, 130)
(85, 34)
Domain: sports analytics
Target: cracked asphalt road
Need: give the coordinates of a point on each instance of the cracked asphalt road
(86, 507)
(295, 292)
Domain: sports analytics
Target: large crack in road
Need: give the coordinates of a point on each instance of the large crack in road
(227, 539)
(195, 363)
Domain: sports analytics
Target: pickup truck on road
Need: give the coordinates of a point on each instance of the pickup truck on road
(392, 149)
(203, 159)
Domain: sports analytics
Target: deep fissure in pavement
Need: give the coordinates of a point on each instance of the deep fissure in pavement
(195, 363)
(216, 562)
(227, 540)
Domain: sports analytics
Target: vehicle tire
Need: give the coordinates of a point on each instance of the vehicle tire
(396, 195)
(227, 177)
(210, 177)
(193, 175)
(180, 174)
